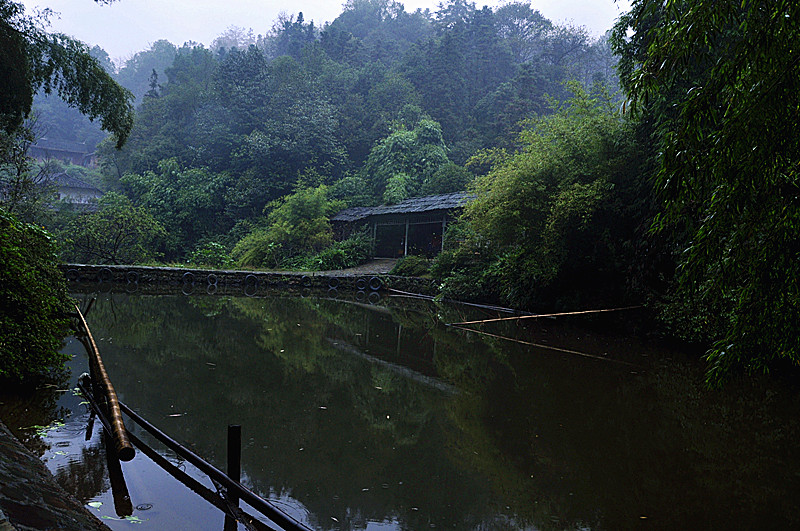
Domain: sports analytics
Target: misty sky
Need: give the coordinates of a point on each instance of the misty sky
(128, 26)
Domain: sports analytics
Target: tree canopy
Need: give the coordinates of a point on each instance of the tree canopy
(718, 84)
(34, 60)
(556, 219)
(33, 299)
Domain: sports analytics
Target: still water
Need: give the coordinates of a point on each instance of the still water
(381, 417)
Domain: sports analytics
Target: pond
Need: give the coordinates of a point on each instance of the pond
(382, 417)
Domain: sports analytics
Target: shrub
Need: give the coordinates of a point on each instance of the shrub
(411, 266)
(331, 258)
(258, 249)
(211, 254)
(351, 252)
(33, 302)
(464, 274)
(296, 223)
(118, 233)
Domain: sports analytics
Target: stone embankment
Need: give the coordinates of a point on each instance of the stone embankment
(30, 498)
(236, 282)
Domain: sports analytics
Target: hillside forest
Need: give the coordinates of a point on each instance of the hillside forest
(654, 165)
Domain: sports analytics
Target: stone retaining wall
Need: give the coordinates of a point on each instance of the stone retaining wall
(236, 281)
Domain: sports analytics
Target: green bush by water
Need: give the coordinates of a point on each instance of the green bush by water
(351, 252)
(33, 301)
(411, 266)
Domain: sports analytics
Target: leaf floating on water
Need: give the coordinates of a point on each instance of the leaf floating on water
(95, 505)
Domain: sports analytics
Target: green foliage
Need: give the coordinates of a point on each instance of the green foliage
(353, 190)
(54, 118)
(19, 193)
(378, 84)
(719, 86)
(548, 221)
(118, 233)
(33, 301)
(292, 35)
(411, 266)
(33, 60)
(351, 252)
(297, 224)
(449, 177)
(191, 202)
(373, 30)
(398, 187)
(463, 267)
(399, 164)
(211, 254)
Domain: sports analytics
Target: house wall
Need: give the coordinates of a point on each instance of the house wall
(400, 235)
(78, 196)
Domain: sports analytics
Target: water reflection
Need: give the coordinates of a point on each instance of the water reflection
(356, 414)
(341, 433)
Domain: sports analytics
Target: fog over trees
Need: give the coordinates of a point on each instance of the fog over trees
(383, 101)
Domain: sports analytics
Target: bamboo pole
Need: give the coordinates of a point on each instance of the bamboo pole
(122, 445)
(249, 522)
(543, 346)
(561, 314)
(255, 501)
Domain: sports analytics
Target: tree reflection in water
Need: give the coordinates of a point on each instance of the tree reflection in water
(354, 413)
(85, 476)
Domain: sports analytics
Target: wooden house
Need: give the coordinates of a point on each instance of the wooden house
(412, 227)
(76, 153)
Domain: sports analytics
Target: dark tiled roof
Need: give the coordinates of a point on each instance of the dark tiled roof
(424, 204)
(62, 145)
(62, 180)
(409, 206)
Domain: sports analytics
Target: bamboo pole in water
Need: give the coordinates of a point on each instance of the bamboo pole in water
(122, 445)
(540, 315)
